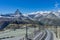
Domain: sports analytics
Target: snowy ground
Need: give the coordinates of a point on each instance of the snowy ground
(58, 39)
(17, 33)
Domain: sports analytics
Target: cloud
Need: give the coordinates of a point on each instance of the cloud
(56, 5)
(41, 12)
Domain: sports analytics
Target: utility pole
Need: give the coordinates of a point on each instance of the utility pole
(56, 31)
(26, 32)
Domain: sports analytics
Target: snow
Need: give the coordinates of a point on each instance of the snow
(17, 33)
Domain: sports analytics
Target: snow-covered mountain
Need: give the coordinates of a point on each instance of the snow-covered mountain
(39, 15)
(43, 14)
(51, 15)
(46, 17)
(15, 16)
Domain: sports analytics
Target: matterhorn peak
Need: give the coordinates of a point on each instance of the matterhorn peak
(17, 12)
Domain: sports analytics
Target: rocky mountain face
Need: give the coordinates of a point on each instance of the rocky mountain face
(15, 16)
(51, 18)
(44, 17)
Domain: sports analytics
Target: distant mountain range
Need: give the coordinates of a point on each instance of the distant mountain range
(46, 17)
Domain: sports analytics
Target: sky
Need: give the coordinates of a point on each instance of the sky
(27, 6)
